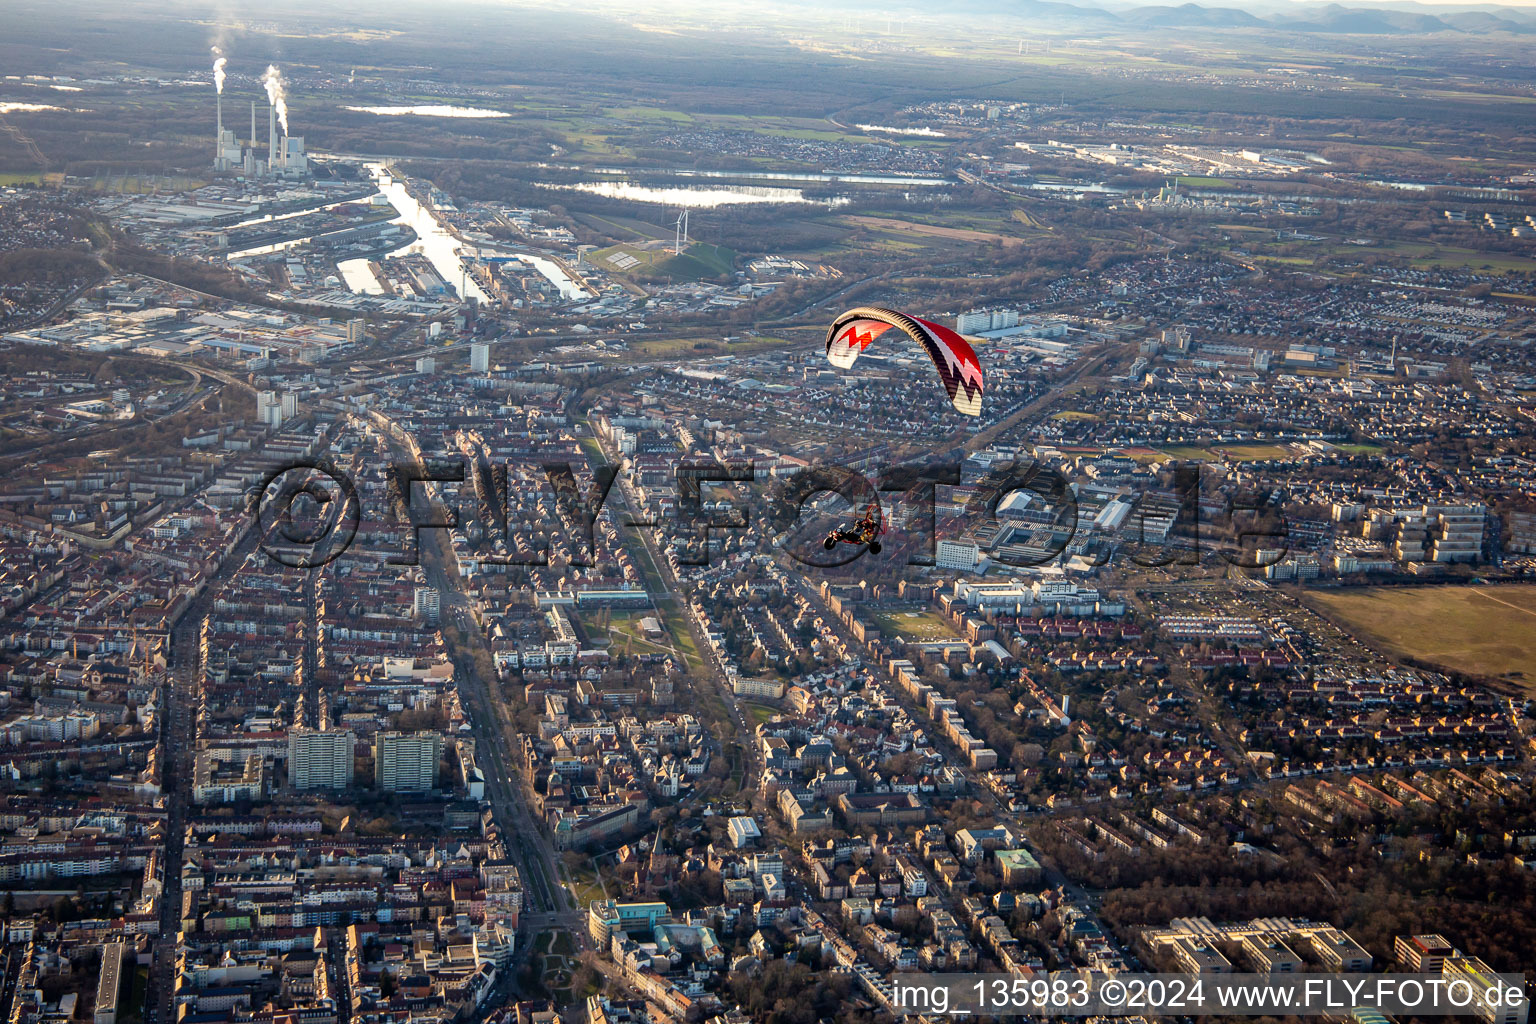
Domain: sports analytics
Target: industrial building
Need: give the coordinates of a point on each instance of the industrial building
(285, 156)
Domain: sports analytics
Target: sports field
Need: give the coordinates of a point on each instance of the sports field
(913, 625)
(1488, 631)
(1228, 452)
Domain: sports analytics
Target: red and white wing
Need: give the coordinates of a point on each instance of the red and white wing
(958, 366)
(852, 338)
(852, 332)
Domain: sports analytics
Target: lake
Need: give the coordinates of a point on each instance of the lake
(695, 196)
(430, 110)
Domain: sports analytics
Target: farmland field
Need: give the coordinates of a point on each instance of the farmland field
(1491, 628)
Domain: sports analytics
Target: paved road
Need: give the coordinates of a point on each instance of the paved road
(178, 740)
(673, 592)
(546, 901)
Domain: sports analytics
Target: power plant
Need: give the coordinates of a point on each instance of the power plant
(284, 156)
(227, 154)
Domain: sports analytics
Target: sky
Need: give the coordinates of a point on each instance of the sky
(1406, 5)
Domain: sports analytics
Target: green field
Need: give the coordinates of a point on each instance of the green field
(1290, 261)
(587, 885)
(920, 626)
(684, 641)
(15, 178)
(760, 713)
(617, 226)
(144, 184)
(1487, 631)
(619, 629)
(1498, 264)
(1197, 181)
(1228, 453)
(1188, 452)
(697, 262)
(696, 347)
(700, 260)
(668, 346)
(1254, 452)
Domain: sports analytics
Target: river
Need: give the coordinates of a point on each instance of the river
(809, 176)
(441, 248)
(433, 241)
(267, 218)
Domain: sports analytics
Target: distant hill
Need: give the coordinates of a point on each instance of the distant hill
(1406, 17)
(1482, 21)
(1191, 14)
(1363, 21)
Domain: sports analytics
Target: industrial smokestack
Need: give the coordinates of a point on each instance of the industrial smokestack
(218, 84)
(253, 124)
(274, 155)
(277, 94)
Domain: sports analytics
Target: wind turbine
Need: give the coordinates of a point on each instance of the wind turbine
(681, 237)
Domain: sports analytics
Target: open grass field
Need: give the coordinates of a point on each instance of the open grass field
(665, 346)
(1187, 451)
(698, 261)
(701, 260)
(760, 712)
(620, 226)
(649, 114)
(1290, 261)
(914, 625)
(935, 230)
(1253, 452)
(1228, 452)
(132, 184)
(1488, 631)
(1143, 456)
(23, 178)
(618, 629)
(586, 885)
(684, 641)
(1498, 263)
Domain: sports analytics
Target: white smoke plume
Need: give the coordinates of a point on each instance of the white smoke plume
(277, 94)
(219, 60)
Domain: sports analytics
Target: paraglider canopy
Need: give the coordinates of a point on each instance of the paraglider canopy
(852, 332)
